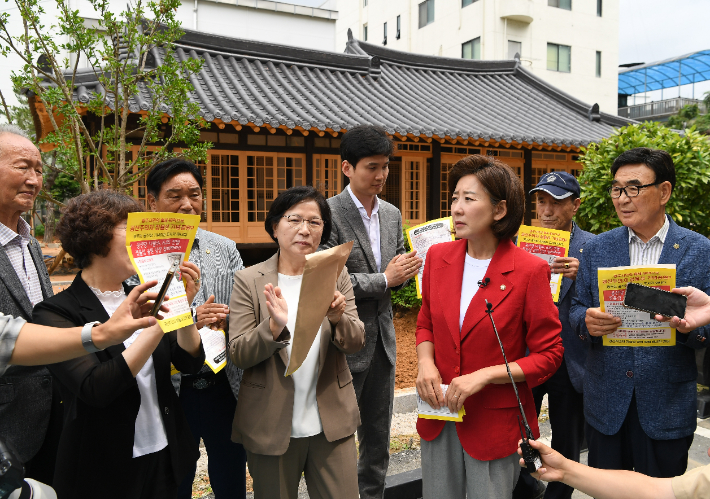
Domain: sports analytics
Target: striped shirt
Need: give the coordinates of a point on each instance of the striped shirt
(16, 246)
(647, 253)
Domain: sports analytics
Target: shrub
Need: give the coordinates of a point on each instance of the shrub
(691, 156)
(406, 297)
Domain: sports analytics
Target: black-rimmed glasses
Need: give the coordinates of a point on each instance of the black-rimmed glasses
(630, 190)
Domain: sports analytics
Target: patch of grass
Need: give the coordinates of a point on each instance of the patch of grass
(399, 443)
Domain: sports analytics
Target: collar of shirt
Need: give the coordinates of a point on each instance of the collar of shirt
(7, 234)
(571, 232)
(361, 207)
(660, 235)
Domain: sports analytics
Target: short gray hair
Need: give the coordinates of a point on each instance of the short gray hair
(13, 130)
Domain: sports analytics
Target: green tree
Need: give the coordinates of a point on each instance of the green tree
(132, 56)
(690, 116)
(691, 155)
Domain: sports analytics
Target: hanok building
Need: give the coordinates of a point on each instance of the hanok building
(278, 114)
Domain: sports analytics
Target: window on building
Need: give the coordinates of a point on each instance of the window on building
(364, 3)
(471, 49)
(426, 13)
(560, 4)
(466, 3)
(514, 48)
(599, 8)
(384, 42)
(364, 32)
(399, 26)
(599, 64)
(559, 57)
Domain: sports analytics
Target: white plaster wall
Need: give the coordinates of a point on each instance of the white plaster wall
(579, 28)
(252, 24)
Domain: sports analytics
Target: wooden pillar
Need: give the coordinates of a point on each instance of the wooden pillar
(309, 160)
(433, 209)
(527, 184)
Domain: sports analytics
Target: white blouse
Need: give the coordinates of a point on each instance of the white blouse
(305, 421)
(150, 433)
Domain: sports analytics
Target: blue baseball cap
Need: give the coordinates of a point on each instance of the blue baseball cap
(559, 185)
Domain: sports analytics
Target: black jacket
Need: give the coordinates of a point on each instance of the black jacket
(101, 403)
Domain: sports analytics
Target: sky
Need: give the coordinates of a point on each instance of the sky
(653, 30)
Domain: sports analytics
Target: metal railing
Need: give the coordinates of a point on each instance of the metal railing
(658, 109)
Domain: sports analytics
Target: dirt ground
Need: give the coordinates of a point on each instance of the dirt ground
(405, 326)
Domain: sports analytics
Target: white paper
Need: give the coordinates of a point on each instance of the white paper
(215, 345)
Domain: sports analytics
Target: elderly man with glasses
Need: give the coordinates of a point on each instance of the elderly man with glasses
(640, 402)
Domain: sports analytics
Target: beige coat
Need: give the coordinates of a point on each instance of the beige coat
(262, 422)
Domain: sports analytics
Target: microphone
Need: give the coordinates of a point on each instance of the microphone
(531, 456)
(484, 282)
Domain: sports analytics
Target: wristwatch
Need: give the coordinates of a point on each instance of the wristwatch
(193, 311)
(86, 340)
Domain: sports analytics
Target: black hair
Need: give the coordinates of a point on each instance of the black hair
(657, 160)
(292, 197)
(165, 170)
(364, 141)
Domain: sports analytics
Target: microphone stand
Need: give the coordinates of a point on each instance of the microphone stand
(530, 455)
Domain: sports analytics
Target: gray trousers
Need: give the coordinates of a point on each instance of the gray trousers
(448, 472)
(374, 388)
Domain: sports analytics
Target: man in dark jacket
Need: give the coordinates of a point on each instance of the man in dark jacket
(557, 201)
(29, 419)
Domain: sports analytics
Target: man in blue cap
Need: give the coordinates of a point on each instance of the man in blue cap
(557, 200)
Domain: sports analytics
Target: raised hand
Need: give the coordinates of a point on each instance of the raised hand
(211, 313)
(191, 279)
(278, 309)
(401, 268)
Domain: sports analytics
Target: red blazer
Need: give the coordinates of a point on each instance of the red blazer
(526, 318)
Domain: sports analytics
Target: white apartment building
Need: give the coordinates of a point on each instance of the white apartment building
(572, 44)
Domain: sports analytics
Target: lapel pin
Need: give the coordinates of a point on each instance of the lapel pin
(581, 250)
(502, 287)
(676, 246)
(207, 251)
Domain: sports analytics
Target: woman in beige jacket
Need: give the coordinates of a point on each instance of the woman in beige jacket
(303, 423)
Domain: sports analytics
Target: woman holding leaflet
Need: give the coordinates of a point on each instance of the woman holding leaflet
(124, 431)
(302, 423)
(456, 344)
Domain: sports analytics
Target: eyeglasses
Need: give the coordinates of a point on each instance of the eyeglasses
(630, 190)
(295, 221)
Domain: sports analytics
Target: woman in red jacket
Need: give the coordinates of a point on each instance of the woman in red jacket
(456, 344)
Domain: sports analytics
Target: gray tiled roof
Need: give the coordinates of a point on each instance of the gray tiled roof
(259, 83)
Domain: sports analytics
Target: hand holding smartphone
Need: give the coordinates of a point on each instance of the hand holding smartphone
(164, 288)
(654, 301)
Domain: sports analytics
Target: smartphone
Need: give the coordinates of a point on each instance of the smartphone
(164, 288)
(654, 301)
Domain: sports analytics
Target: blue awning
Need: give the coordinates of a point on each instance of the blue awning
(682, 70)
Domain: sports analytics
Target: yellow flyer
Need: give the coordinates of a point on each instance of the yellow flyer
(424, 236)
(215, 344)
(425, 411)
(154, 241)
(548, 244)
(637, 329)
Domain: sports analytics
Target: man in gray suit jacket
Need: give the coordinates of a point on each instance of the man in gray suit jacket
(25, 392)
(208, 399)
(376, 264)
